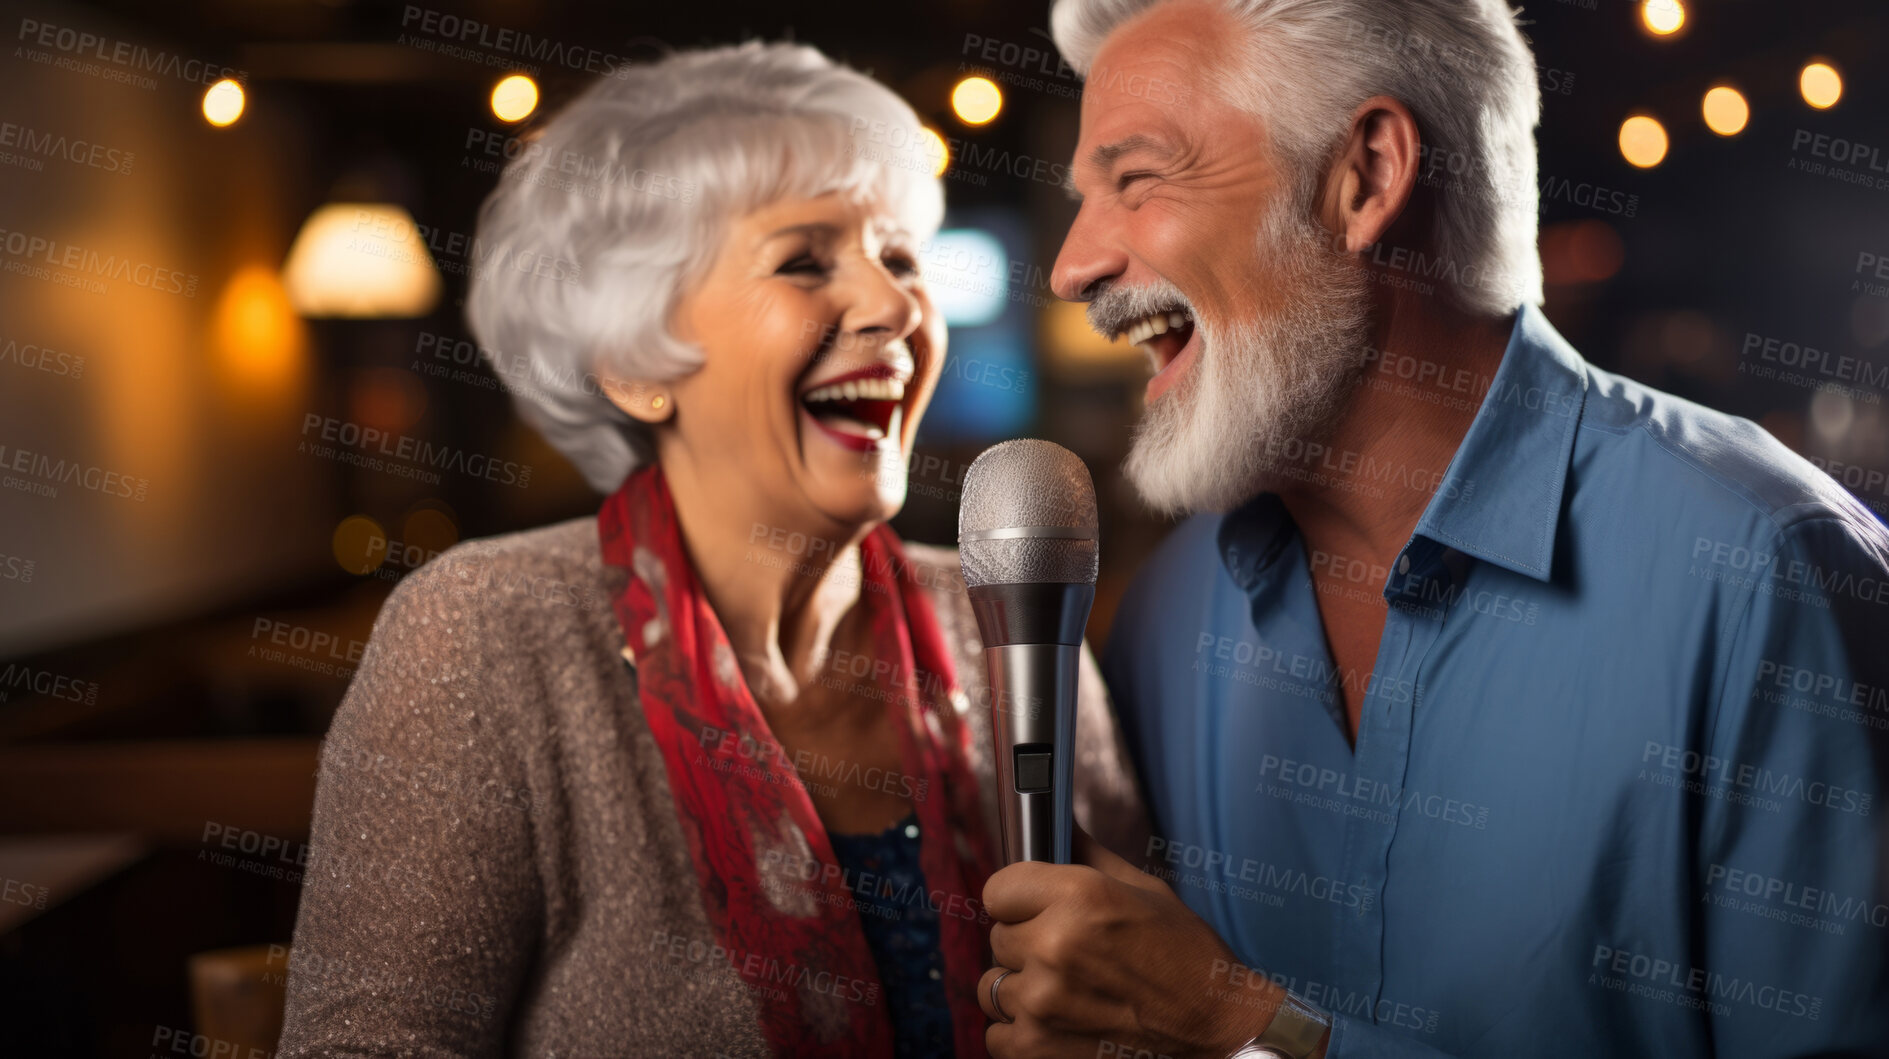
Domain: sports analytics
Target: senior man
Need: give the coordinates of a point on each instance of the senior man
(1490, 704)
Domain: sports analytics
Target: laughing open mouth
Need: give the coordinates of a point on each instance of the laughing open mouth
(861, 409)
(1161, 335)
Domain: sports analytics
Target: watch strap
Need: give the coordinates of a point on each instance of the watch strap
(1294, 1032)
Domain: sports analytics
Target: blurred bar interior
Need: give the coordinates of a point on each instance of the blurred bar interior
(233, 230)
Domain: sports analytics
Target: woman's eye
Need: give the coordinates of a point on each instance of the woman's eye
(901, 265)
(804, 265)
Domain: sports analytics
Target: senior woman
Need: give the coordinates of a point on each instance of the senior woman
(708, 774)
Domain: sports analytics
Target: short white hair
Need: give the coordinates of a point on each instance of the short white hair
(611, 211)
(1461, 66)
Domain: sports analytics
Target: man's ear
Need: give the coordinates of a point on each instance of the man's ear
(1371, 181)
(644, 401)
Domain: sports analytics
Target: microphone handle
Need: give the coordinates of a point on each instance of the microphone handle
(1033, 726)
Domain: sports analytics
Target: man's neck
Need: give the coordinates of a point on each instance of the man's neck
(1388, 452)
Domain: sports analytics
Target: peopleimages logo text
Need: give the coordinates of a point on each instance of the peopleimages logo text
(412, 450)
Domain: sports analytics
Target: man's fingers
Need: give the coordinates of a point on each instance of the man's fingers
(1021, 891)
(1009, 944)
(1009, 994)
(1105, 860)
(1027, 1036)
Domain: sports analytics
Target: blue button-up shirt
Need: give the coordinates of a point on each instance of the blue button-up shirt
(1616, 785)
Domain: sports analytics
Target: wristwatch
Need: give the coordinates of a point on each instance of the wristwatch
(1294, 1033)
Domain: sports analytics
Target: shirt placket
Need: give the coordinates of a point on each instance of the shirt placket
(1381, 760)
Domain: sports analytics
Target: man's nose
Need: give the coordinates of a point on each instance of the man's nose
(1088, 258)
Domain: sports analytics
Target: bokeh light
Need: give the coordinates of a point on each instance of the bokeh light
(1578, 252)
(937, 150)
(1663, 17)
(1831, 414)
(514, 98)
(1821, 85)
(1726, 111)
(223, 103)
(429, 529)
(261, 346)
(1642, 141)
(968, 270)
(976, 100)
(360, 545)
(390, 400)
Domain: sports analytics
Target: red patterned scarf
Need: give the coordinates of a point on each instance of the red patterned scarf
(783, 911)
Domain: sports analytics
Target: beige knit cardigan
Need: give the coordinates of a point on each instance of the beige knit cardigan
(496, 868)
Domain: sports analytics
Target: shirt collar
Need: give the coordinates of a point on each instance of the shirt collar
(1500, 499)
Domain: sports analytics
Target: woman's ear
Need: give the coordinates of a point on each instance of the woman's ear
(645, 401)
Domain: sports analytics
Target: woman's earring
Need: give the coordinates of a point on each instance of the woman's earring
(643, 401)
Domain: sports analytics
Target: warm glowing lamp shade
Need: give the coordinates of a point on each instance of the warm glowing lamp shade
(361, 259)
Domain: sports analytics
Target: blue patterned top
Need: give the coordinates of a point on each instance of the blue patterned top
(902, 930)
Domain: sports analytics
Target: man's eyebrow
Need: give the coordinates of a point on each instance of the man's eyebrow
(1105, 155)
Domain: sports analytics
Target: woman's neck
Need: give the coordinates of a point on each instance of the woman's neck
(782, 594)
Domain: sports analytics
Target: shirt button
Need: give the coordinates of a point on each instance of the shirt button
(911, 830)
(934, 974)
(1403, 565)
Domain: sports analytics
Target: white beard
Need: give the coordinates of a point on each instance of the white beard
(1209, 443)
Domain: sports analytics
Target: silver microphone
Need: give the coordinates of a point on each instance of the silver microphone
(1027, 543)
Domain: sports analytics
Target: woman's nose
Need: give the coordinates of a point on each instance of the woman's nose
(880, 304)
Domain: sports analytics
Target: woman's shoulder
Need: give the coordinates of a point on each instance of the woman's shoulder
(503, 606)
(482, 654)
(556, 565)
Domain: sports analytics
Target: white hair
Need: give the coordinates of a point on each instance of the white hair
(1226, 429)
(613, 209)
(1461, 66)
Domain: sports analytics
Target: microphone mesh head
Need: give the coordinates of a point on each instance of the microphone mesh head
(1021, 484)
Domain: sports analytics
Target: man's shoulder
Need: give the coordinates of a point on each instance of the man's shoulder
(1692, 466)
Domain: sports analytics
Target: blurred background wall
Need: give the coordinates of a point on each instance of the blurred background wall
(190, 565)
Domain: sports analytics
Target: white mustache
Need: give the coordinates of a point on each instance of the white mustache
(1111, 311)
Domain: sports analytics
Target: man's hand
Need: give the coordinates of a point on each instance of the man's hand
(1106, 961)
